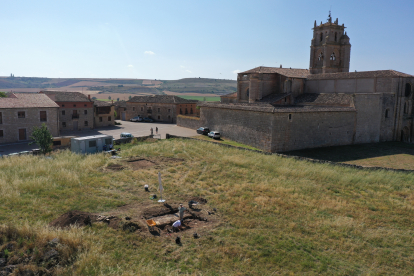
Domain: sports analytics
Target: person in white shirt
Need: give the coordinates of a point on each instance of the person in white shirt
(177, 225)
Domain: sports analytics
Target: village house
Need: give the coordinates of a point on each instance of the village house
(21, 112)
(104, 114)
(75, 110)
(160, 108)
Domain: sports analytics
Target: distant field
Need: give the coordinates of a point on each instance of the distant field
(394, 155)
(201, 98)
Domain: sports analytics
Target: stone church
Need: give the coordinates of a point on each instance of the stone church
(282, 109)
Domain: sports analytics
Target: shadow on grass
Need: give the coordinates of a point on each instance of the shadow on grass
(356, 152)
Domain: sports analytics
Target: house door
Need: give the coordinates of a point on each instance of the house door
(82, 146)
(22, 134)
(75, 125)
(123, 116)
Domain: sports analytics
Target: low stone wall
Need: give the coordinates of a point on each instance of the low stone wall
(189, 122)
(301, 158)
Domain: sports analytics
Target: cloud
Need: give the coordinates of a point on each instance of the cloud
(149, 53)
(188, 71)
(236, 71)
(130, 66)
(181, 66)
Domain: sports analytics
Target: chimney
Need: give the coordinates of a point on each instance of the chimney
(280, 65)
(89, 97)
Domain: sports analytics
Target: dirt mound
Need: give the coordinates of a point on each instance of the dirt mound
(141, 164)
(158, 211)
(77, 218)
(115, 167)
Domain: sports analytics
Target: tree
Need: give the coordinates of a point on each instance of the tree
(117, 99)
(109, 97)
(115, 114)
(43, 138)
(3, 94)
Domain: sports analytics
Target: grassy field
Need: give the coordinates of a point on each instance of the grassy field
(276, 215)
(201, 98)
(394, 155)
(224, 141)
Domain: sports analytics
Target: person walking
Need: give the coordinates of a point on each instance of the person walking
(156, 130)
(152, 131)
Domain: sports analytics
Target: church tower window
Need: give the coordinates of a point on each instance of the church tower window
(247, 93)
(336, 36)
(321, 36)
(320, 57)
(407, 89)
(333, 56)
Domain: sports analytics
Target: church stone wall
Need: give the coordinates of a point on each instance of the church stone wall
(365, 86)
(247, 127)
(345, 86)
(368, 123)
(312, 130)
(387, 117)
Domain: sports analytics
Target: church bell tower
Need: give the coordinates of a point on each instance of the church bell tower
(330, 48)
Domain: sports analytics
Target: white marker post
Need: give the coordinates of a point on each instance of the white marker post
(161, 188)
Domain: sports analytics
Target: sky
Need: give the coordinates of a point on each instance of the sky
(169, 40)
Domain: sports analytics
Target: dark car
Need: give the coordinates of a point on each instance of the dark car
(203, 130)
(149, 120)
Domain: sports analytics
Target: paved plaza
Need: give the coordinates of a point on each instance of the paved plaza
(135, 128)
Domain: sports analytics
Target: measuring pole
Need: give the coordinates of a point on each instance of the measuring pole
(160, 187)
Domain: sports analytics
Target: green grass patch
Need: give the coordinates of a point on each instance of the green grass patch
(224, 141)
(276, 215)
(201, 98)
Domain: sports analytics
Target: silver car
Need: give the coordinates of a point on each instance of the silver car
(214, 134)
(136, 119)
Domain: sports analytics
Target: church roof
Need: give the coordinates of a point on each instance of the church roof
(360, 75)
(327, 99)
(267, 107)
(288, 72)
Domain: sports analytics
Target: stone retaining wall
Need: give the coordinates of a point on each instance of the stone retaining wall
(189, 122)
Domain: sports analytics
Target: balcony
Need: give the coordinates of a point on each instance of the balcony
(75, 116)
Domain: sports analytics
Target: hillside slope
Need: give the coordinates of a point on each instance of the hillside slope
(273, 215)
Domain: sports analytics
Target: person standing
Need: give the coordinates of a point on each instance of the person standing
(156, 130)
(181, 209)
(152, 131)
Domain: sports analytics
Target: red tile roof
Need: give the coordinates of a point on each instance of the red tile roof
(26, 100)
(288, 72)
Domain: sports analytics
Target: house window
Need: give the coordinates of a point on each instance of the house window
(92, 144)
(74, 105)
(142, 108)
(63, 105)
(159, 117)
(191, 111)
(109, 118)
(84, 105)
(100, 119)
(181, 112)
(1, 118)
(133, 108)
(169, 117)
(158, 110)
(63, 112)
(186, 111)
(21, 114)
(43, 116)
(169, 110)
(290, 116)
(63, 124)
(387, 111)
(86, 123)
(85, 112)
(1, 133)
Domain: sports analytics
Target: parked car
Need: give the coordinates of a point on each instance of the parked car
(136, 119)
(203, 130)
(214, 134)
(126, 135)
(149, 120)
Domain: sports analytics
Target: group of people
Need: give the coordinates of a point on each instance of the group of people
(108, 147)
(177, 225)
